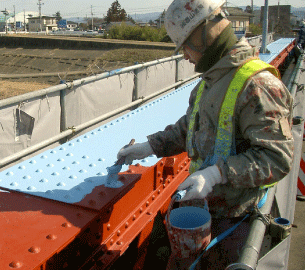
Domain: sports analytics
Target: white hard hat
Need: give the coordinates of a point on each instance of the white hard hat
(183, 16)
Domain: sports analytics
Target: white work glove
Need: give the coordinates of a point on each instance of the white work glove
(200, 183)
(136, 151)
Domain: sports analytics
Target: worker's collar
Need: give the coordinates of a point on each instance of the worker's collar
(217, 50)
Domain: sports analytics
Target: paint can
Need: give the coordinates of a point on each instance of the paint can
(280, 228)
(189, 230)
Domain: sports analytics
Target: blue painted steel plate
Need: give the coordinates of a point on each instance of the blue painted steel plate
(71, 171)
(275, 49)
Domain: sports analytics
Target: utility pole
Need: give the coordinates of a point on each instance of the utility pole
(15, 20)
(91, 17)
(251, 20)
(24, 24)
(263, 48)
(5, 12)
(278, 12)
(39, 9)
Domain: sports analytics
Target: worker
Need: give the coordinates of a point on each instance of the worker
(300, 44)
(301, 39)
(237, 133)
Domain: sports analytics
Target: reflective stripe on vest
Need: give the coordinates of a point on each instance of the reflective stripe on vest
(224, 137)
(190, 132)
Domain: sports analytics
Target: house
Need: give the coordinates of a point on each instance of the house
(143, 24)
(257, 16)
(21, 19)
(43, 23)
(71, 25)
(279, 19)
(239, 18)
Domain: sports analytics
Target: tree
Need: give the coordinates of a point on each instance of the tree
(83, 26)
(58, 16)
(248, 9)
(130, 19)
(255, 29)
(115, 13)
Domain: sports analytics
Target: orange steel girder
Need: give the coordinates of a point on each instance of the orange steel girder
(280, 59)
(39, 233)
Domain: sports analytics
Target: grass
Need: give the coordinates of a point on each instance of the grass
(134, 55)
(10, 89)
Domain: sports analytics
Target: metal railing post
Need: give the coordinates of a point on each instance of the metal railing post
(135, 94)
(177, 70)
(63, 112)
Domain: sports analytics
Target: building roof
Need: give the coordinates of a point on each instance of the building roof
(20, 16)
(43, 17)
(235, 11)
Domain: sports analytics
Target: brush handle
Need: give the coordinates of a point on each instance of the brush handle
(121, 160)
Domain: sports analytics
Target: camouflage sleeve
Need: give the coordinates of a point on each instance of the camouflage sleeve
(172, 140)
(264, 119)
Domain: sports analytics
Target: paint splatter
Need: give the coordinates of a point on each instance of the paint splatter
(188, 5)
(272, 114)
(276, 92)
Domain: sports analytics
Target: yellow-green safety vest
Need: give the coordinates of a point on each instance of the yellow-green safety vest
(224, 137)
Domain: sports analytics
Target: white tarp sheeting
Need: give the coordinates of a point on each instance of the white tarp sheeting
(154, 78)
(28, 123)
(88, 101)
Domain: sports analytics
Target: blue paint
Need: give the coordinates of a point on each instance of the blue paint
(282, 221)
(275, 48)
(112, 180)
(189, 217)
(180, 194)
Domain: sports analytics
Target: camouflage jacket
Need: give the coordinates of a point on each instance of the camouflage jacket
(262, 135)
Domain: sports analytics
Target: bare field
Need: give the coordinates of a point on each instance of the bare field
(9, 89)
(24, 70)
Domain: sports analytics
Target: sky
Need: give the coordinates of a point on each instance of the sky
(81, 8)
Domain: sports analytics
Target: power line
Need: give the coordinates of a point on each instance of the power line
(102, 9)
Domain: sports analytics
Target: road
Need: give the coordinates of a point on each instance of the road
(297, 246)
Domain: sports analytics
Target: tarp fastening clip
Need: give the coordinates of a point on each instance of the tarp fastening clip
(264, 217)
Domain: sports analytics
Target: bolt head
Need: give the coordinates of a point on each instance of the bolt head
(34, 249)
(15, 264)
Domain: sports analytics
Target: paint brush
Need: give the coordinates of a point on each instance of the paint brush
(112, 179)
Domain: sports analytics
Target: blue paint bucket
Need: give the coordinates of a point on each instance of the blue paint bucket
(280, 228)
(189, 230)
